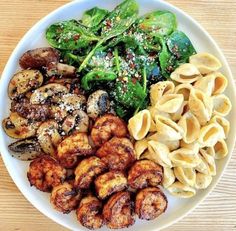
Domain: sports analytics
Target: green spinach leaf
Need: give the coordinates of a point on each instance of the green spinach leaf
(96, 75)
(180, 46)
(94, 16)
(130, 94)
(69, 35)
(158, 23)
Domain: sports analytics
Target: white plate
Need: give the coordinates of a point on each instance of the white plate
(177, 208)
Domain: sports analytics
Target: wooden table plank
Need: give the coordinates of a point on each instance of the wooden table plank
(218, 211)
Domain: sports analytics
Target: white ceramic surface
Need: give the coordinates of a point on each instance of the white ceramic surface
(35, 38)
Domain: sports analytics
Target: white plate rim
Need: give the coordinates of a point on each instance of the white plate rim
(5, 152)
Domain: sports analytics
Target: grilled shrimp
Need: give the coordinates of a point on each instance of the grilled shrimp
(144, 173)
(74, 145)
(117, 153)
(88, 212)
(45, 173)
(87, 170)
(106, 127)
(150, 203)
(109, 183)
(69, 162)
(65, 198)
(118, 212)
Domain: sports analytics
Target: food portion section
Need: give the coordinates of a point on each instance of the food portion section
(184, 129)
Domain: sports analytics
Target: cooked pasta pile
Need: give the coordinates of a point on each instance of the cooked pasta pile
(184, 129)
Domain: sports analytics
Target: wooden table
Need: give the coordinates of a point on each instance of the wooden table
(218, 211)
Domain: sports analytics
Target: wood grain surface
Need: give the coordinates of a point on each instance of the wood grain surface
(218, 211)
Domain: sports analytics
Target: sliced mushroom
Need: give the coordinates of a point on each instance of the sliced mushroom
(79, 120)
(36, 112)
(98, 104)
(26, 149)
(49, 137)
(39, 57)
(24, 81)
(60, 69)
(41, 94)
(18, 127)
(70, 102)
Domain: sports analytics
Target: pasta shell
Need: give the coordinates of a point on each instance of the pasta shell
(221, 105)
(153, 126)
(192, 146)
(202, 181)
(154, 112)
(168, 177)
(185, 158)
(139, 124)
(205, 62)
(200, 105)
(209, 161)
(170, 103)
(224, 123)
(210, 151)
(184, 89)
(171, 144)
(191, 127)
(159, 153)
(210, 134)
(220, 149)
(140, 147)
(212, 84)
(159, 89)
(168, 128)
(186, 176)
(184, 108)
(186, 73)
(180, 190)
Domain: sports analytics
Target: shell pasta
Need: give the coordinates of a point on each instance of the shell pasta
(188, 129)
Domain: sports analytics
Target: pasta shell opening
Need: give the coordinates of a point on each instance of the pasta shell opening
(184, 89)
(220, 149)
(209, 135)
(221, 105)
(186, 73)
(186, 176)
(159, 89)
(184, 158)
(191, 127)
(224, 123)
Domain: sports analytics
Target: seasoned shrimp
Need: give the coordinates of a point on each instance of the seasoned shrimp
(69, 162)
(87, 170)
(88, 212)
(65, 198)
(106, 127)
(117, 153)
(150, 203)
(118, 212)
(109, 183)
(45, 173)
(145, 173)
(74, 145)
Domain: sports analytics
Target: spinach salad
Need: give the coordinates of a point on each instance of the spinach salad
(121, 52)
